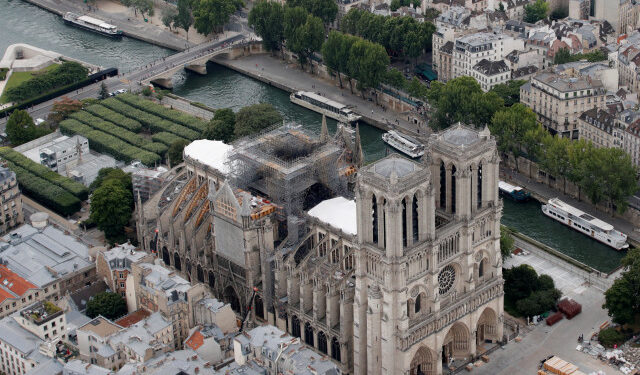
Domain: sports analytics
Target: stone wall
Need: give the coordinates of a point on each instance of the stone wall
(184, 105)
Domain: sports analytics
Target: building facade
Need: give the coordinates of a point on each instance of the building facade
(114, 265)
(11, 214)
(491, 73)
(558, 100)
(471, 49)
(601, 128)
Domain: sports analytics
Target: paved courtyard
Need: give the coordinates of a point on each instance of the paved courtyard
(561, 339)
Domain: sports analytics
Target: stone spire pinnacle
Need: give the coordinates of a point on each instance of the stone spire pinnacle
(358, 155)
(324, 130)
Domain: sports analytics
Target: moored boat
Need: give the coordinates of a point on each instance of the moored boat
(403, 143)
(585, 223)
(92, 24)
(322, 105)
(514, 192)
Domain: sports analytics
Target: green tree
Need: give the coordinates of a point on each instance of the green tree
(395, 4)
(266, 18)
(506, 243)
(332, 50)
(536, 11)
(184, 17)
(373, 66)
(622, 300)
(174, 154)
(111, 209)
(501, 7)
(419, 90)
(545, 282)
(63, 108)
(538, 302)
(211, 15)
(169, 16)
(615, 177)
(519, 282)
(326, 10)
(609, 337)
(115, 174)
(510, 126)
(103, 93)
(294, 18)
(455, 100)
(222, 126)
(20, 127)
(509, 92)
(413, 45)
(555, 159)
(108, 304)
(307, 39)
(562, 56)
(356, 56)
(484, 106)
(255, 118)
(395, 78)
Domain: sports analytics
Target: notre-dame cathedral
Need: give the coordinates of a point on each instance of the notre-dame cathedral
(388, 268)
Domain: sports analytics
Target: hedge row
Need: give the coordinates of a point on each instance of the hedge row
(167, 138)
(109, 128)
(181, 118)
(43, 191)
(153, 122)
(39, 170)
(105, 143)
(114, 117)
(156, 148)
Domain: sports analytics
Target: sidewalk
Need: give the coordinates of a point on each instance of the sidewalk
(274, 70)
(547, 192)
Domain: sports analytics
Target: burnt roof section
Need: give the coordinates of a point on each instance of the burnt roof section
(490, 68)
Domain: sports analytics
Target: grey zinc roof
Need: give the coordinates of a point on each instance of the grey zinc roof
(50, 367)
(121, 257)
(165, 281)
(460, 135)
(78, 367)
(31, 253)
(565, 83)
(19, 338)
(401, 166)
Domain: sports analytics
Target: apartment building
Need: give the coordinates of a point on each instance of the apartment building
(579, 9)
(514, 8)
(601, 128)
(11, 214)
(469, 50)
(158, 289)
(449, 25)
(490, 73)
(632, 142)
(114, 265)
(558, 100)
(63, 150)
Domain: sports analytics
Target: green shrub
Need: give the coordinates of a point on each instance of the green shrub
(39, 170)
(152, 122)
(68, 73)
(114, 117)
(166, 138)
(109, 128)
(106, 143)
(156, 148)
(44, 192)
(609, 337)
(3, 73)
(181, 118)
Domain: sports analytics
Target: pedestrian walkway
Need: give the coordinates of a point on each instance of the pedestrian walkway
(547, 192)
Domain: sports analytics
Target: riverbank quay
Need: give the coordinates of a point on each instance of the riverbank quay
(130, 27)
(288, 77)
(543, 193)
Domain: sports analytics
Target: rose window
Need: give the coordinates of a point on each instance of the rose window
(446, 278)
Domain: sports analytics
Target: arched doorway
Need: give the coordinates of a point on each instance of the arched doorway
(487, 327)
(212, 279)
(456, 343)
(166, 258)
(423, 362)
(335, 349)
(200, 273)
(322, 342)
(259, 307)
(231, 297)
(176, 262)
(308, 334)
(295, 326)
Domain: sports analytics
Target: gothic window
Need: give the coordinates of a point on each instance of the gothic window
(374, 221)
(322, 342)
(479, 189)
(417, 305)
(335, 255)
(348, 262)
(453, 189)
(443, 186)
(446, 279)
(414, 223)
(404, 222)
(335, 349)
(481, 268)
(226, 208)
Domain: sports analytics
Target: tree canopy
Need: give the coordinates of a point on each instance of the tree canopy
(21, 129)
(108, 304)
(254, 118)
(267, 18)
(63, 108)
(222, 126)
(511, 125)
(112, 204)
(536, 11)
(65, 74)
(509, 92)
(563, 56)
(211, 15)
(174, 154)
(622, 300)
(326, 10)
(529, 293)
(506, 243)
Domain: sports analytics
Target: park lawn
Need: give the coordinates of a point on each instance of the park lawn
(18, 78)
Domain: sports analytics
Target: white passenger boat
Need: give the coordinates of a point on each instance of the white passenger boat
(585, 223)
(92, 24)
(322, 105)
(403, 143)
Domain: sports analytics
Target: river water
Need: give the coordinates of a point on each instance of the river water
(23, 23)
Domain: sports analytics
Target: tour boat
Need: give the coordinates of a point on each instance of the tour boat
(92, 24)
(585, 223)
(516, 193)
(403, 143)
(327, 107)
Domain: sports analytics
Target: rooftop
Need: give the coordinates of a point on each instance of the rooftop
(141, 336)
(338, 212)
(25, 342)
(565, 83)
(195, 340)
(6, 175)
(121, 257)
(11, 284)
(78, 367)
(460, 135)
(133, 318)
(82, 296)
(101, 326)
(490, 68)
(43, 256)
(165, 281)
(211, 153)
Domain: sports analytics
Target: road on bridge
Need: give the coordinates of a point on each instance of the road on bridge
(133, 80)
